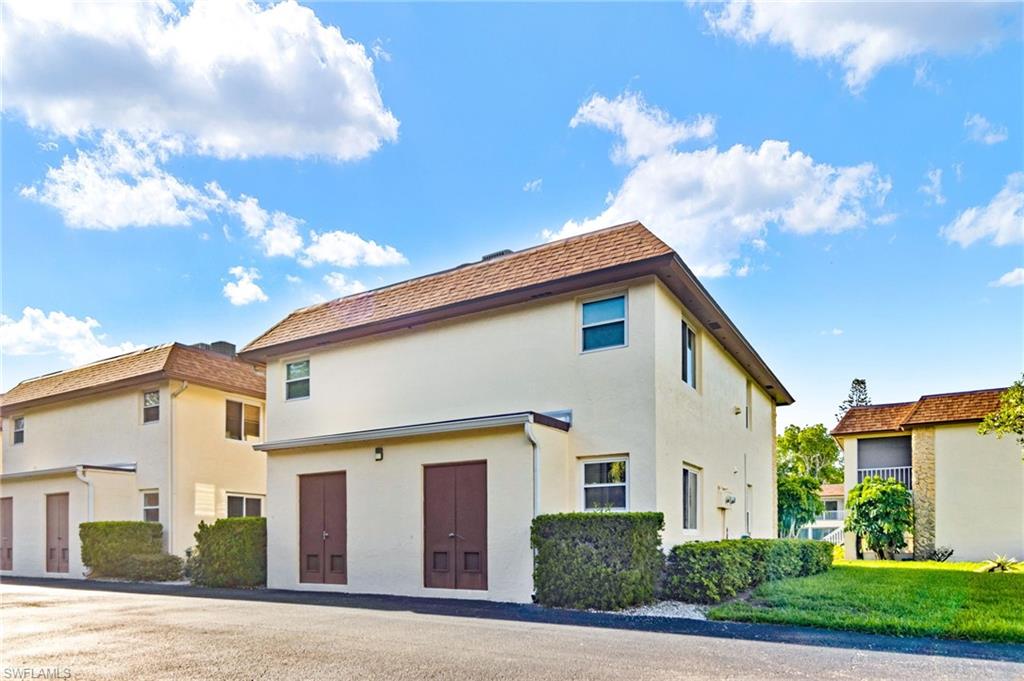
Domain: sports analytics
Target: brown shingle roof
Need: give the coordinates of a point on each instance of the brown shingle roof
(971, 405)
(620, 245)
(833, 490)
(172, 360)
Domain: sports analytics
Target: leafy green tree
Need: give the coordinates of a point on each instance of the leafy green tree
(1008, 419)
(858, 397)
(880, 511)
(809, 451)
(799, 502)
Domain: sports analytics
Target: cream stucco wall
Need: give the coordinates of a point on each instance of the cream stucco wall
(384, 511)
(979, 493)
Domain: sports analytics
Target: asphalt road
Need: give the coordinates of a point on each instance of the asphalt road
(85, 634)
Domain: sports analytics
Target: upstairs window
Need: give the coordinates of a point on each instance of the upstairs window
(604, 485)
(19, 430)
(296, 380)
(151, 506)
(242, 421)
(151, 406)
(604, 323)
(689, 356)
(242, 506)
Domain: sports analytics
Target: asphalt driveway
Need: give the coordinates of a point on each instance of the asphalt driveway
(89, 632)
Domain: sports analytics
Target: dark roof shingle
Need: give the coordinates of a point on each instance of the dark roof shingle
(972, 405)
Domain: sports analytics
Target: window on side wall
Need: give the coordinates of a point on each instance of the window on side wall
(19, 430)
(689, 356)
(243, 506)
(604, 323)
(151, 406)
(605, 485)
(241, 421)
(691, 497)
(296, 380)
(151, 506)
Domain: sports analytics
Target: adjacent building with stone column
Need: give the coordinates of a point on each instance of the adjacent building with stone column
(968, 489)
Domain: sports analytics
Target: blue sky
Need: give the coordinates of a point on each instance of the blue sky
(850, 199)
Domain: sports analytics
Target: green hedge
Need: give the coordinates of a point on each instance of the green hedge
(153, 567)
(597, 560)
(710, 572)
(231, 552)
(107, 545)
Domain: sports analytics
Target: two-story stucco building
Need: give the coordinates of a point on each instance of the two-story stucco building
(163, 434)
(968, 489)
(415, 430)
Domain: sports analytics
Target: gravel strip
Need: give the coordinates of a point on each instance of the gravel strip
(688, 611)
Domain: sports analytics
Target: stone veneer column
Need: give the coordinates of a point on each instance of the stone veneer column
(923, 463)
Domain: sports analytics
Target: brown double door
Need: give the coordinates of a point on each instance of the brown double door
(322, 529)
(57, 533)
(455, 526)
(7, 533)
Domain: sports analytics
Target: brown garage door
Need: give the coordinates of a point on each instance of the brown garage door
(323, 529)
(7, 533)
(57, 533)
(455, 526)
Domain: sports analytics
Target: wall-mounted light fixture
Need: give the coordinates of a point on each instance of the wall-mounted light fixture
(378, 454)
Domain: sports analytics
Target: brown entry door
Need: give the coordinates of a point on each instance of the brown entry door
(455, 526)
(57, 533)
(7, 533)
(323, 529)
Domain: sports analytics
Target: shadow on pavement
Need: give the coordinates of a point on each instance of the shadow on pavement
(446, 607)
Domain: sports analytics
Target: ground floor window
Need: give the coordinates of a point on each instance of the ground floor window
(605, 485)
(240, 505)
(151, 506)
(691, 494)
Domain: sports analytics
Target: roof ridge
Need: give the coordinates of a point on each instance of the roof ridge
(964, 392)
(69, 370)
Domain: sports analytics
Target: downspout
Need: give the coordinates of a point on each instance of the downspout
(169, 525)
(80, 474)
(528, 428)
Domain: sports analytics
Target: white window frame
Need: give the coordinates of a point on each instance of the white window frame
(15, 430)
(244, 403)
(145, 508)
(245, 502)
(584, 486)
(308, 378)
(158, 405)
(698, 472)
(625, 320)
(685, 330)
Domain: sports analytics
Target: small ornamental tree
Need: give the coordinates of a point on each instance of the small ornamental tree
(1008, 419)
(880, 511)
(799, 502)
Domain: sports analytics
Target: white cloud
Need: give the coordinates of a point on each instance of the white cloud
(379, 52)
(1014, 277)
(39, 333)
(292, 279)
(645, 130)
(833, 332)
(709, 204)
(863, 37)
(958, 170)
(244, 289)
(533, 185)
(277, 232)
(1001, 220)
(341, 285)
(47, 146)
(979, 129)
(933, 188)
(345, 249)
(232, 77)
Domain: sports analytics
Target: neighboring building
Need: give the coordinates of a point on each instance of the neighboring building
(162, 434)
(968, 488)
(415, 430)
(828, 526)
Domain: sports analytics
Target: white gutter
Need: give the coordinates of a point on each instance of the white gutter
(80, 474)
(169, 524)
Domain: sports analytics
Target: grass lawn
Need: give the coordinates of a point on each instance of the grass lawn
(947, 600)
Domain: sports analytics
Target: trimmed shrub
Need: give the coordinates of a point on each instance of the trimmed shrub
(604, 561)
(153, 567)
(710, 572)
(107, 545)
(231, 552)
